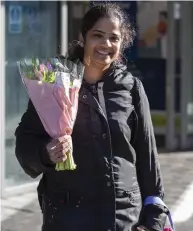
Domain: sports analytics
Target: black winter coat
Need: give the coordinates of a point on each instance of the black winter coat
(116, 156)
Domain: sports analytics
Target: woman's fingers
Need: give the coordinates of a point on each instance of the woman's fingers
(58, 157)
(58, 148)
(55, 144)
(59, 154)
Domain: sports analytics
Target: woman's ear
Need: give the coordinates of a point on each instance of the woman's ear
(80, 38)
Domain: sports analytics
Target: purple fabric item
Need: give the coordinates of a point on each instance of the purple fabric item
(156, 200)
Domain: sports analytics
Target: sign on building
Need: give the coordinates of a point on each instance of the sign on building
(15, 19)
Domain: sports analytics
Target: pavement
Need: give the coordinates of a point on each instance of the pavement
(22, 213)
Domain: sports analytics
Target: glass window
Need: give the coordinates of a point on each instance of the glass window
(30, 29)
(152, 20)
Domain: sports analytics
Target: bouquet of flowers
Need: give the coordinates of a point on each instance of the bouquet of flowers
(53, 86)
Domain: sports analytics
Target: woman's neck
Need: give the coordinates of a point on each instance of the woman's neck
(93, 74)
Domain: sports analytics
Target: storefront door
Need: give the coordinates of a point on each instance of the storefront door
(31, 29)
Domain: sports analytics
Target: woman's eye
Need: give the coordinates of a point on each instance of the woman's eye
(98, 35)
(114, 39)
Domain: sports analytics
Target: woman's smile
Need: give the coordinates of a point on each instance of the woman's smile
(102, 54)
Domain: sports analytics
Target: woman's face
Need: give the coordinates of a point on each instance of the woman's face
(103, 42)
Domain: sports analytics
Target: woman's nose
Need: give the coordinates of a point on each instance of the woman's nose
(107, 42)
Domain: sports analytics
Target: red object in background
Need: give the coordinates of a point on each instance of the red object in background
(168, 229)
(162, 27)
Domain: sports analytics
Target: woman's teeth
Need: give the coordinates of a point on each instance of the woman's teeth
(103, 52)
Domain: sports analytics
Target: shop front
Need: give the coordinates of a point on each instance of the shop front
(27, 29)
(162, 53)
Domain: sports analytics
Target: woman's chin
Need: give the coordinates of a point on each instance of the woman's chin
(102, 62)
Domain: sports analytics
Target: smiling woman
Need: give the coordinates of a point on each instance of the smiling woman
(93, 22)
(113, 141)
(103, 43)
(106, 32)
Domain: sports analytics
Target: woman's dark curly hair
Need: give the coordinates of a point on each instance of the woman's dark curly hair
(98, 11)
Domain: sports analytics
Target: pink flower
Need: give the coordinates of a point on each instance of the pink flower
(43, 68)
(38, 74)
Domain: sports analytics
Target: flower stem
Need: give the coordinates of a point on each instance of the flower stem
(68, 164)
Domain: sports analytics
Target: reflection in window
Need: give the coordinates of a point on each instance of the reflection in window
(31, 29)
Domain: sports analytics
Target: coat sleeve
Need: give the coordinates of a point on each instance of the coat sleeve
(147, 164)
(31, 140)
(148, 168)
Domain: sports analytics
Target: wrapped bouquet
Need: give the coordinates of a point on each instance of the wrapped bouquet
(53, 86)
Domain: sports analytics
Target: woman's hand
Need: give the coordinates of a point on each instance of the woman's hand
(58, 147)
